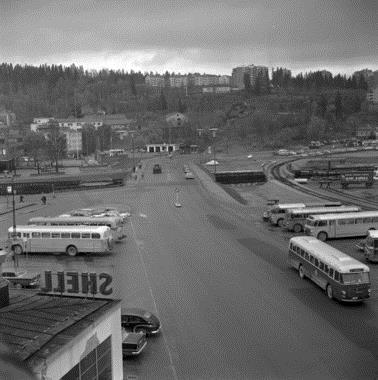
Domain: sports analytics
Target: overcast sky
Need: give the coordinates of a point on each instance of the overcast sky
(211, 36)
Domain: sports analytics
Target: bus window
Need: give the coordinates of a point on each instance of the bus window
(66, 235)
(331, 272)
(96, 236)
(322, 223)
(86, 235)
(36, 234)
(337, 276)
(75, 235)
(307, 256)
(321, 265)
(355, 278)
(311, 259)
(45, 234)
(26, 235)
(326, 269)
(367, 220)
(316, 262)
(360, 220)
(55, 235)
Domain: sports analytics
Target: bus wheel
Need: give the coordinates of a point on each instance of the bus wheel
(329, 292)
(297, 228)
(71, 250)
(301, 272)
(280, 222)
(17, 249)
(322, 236)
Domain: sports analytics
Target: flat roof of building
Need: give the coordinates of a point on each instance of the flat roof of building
(34, 326)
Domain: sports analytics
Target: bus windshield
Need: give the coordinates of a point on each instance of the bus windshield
(355, 278)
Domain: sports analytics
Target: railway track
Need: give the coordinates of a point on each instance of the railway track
(274, 170)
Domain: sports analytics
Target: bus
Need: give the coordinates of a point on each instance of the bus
(59, 239)
(341, 276)
(371, 246)
(115, 223)
(330, 226)
(276, 214)
(295, 219)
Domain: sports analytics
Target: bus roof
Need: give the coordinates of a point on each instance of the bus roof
(326, 210)
(358, 214)
(74, 218)
(288, 205)
(35, 228)
(329, 255)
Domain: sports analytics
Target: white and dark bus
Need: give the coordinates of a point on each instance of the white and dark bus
(276, 214)
(341, 276)
(350, 224)
(115, 223)
(295, 219)
(59, 239)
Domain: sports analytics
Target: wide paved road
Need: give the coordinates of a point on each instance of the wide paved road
(230, 306)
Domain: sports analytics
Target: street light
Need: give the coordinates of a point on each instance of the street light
(199, 131)
(132, 147)
(11, 190)
(214, 132)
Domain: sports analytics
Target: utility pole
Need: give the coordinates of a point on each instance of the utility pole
(214, 132)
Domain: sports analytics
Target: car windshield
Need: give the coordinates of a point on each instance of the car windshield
(355, 278)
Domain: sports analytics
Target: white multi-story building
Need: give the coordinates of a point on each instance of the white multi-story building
(155, 80)
(74, 140)
(372, 95)
(178, 80)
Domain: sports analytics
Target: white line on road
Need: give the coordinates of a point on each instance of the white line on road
(153, 299)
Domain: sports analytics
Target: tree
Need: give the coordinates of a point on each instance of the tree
(322, 105)
(163, 102)
(338, 106)
(132, 85)
(247, 84)
(181, 107)
(34, 145)
(56, 144)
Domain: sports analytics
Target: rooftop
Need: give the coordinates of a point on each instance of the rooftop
(34, 326)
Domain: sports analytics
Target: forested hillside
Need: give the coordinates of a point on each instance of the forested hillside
(290, 109)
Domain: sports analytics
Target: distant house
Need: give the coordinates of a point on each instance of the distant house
(367, 132)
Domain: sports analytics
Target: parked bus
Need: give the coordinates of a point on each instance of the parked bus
(115, 223)
(341, 276)
(276, 214)
(295, 219)
(371, 246)
(59, 239)
(348, 224)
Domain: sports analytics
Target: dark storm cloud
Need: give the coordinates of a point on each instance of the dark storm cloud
(219, 34)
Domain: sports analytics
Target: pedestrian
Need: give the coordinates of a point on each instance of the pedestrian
(21, 199)
(43, 199)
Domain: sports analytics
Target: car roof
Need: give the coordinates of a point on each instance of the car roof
(134, 311)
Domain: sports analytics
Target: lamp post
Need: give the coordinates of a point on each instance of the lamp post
(11, 190)
(199, 131)
(214, 132)
(132, 148)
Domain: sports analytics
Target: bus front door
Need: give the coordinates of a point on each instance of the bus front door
(332, 228)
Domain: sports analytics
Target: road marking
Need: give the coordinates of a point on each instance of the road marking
(142, 215)
(154, 301)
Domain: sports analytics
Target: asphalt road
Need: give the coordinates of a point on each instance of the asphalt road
(217, 278)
